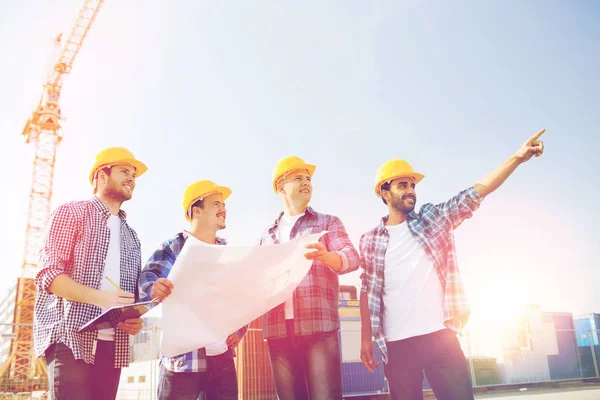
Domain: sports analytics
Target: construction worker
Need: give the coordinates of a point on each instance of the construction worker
(84, 242)
(209, 370)
(412, 300)
(302, 333)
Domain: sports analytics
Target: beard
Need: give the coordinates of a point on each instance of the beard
(401, 203)
(117, 192)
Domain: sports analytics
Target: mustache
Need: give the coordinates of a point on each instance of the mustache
(409, 196)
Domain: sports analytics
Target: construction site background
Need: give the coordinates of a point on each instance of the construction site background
(545, 348)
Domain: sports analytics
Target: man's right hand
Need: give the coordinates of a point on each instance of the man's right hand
(113, 298)
(161, 289)
(366, 355)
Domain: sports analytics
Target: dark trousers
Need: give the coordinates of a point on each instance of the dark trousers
(439, 355)
(306, 367)
(69, 378)
(218, 382)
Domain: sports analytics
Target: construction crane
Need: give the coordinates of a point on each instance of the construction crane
(43, 131)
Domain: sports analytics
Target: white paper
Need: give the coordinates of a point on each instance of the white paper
(219, 289)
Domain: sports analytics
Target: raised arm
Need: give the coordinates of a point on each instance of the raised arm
(492, 181)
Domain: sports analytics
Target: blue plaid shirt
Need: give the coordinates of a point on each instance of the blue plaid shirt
(433, 227)
(159, 266)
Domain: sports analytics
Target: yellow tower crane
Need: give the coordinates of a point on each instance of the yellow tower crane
(43, 131)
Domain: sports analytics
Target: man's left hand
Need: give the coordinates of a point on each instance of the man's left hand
(329, 258)
(131, 326)
(233, 340)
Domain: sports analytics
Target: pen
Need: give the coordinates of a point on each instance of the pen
(113, 283)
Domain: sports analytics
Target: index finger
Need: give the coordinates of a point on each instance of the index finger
(126, 295)
(537, 135)
(367, 365)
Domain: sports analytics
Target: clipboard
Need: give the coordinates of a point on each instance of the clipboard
(111, 317)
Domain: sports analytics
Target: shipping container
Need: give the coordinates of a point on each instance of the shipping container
(255, 379)
(356, 379)
(587, 329)
(588, 346)
(486, 371)
(565, 364)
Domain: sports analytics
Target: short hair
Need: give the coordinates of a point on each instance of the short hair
(107, 170)
(197, 203)
(386, 186)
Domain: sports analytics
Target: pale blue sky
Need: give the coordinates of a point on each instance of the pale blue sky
(223, 90)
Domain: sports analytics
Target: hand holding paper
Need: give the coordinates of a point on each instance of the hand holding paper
(220, 289)
(328, 258)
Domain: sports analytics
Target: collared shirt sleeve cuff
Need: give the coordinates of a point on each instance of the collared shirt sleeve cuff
(345, 264)
(471, 192)
(145, 291)
(46, 277)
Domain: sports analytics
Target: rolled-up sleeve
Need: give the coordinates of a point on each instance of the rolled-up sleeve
(56, 253)
(461, 206)
(337, 240)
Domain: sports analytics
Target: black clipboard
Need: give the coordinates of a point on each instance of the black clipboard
(111, 317)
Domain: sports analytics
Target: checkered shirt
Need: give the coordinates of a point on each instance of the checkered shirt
(433, 227)
(316, 298)
(158, 266)
(76, 238)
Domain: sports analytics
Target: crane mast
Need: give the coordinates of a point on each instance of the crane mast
(43, 131)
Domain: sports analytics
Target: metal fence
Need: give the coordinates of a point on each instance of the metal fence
(529, 354)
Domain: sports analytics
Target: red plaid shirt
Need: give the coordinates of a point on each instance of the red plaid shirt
(316, 298)
(76, 241)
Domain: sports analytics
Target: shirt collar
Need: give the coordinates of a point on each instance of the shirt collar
(308, 212)
(219, 241)
(409, 216)
(103, 209)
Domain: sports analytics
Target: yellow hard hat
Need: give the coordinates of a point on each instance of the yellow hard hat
(396, 168)
(114, 156)
(200, 189)
(287, 165)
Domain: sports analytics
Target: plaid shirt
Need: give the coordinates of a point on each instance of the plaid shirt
(316, 298)
(76, 239)
(433, 227)
(158, 266)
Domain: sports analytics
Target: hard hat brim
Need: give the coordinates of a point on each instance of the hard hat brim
(140, 167)
(415, 175)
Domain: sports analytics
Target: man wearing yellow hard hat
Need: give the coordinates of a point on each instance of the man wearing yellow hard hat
(89, 248)
(412, 299)
(211, 369)
(302, 333)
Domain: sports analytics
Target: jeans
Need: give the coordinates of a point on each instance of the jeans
(439, 355)
(218, 382)
(306, 367)
(69, 378)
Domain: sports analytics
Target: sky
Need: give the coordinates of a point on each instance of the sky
(223, 90)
